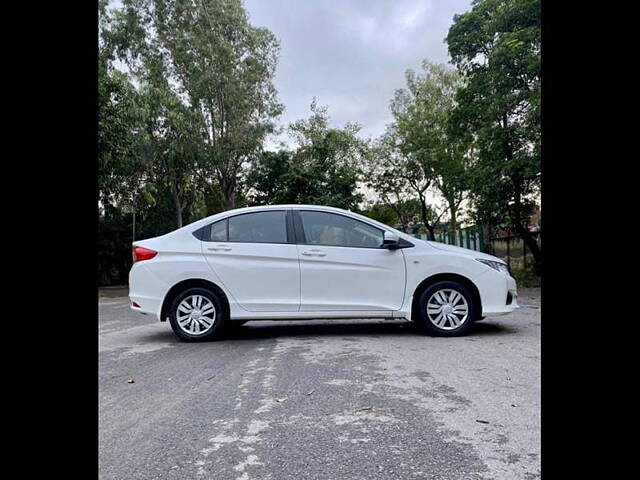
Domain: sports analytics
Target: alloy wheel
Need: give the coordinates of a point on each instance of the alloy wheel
(196, 314)
(447, 309)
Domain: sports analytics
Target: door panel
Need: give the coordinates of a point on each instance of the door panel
(257, 265)
(261, 277)
(343, 278)
(342, 266)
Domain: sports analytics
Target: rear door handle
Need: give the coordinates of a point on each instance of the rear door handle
(219, 248)
(313, 253)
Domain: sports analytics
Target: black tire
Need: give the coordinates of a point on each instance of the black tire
(218, 323)
(425, 325)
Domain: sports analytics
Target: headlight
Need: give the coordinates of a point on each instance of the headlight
(499, 266)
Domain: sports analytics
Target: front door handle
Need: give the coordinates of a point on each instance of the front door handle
(313, 253)
(219, 248)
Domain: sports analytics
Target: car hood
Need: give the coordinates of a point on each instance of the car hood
(463, 251)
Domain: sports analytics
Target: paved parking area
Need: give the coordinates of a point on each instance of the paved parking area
(319, 400)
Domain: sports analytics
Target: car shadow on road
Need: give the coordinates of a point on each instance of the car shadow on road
(258, 330)
(489, 328)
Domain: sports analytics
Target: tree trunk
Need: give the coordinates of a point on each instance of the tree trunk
(178, 216)
(177, 206)
(432, 232)
(396, 210)
(532, 245)
(486, 239)
(230, 201)
(524, 233)
(454, 222)
(516, 211)
(423, 214)
(228, 193)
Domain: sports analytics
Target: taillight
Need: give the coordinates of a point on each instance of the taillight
(141, 253)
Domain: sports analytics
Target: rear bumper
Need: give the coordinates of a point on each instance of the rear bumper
(148, 305)
(144, 288)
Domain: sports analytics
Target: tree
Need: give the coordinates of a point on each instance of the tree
(452, 183)
(381, 212)
(169, 144)
(323, 169)
(496, 45)
(399, 175)
(120, 170)
(122, 174)
(270, 179)
(393, 214)
(422, 113)
(208, 58)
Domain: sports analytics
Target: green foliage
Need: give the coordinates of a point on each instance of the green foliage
(496, 46)
(114, 247)
(207, 57)
(157, 218)
(422, 114)
(394, 214)
(419, 153)
(322, 170)
(381, 212)
(270, 179)
(121, 172)
(169, 144)
(527, 277)
(119, 169)
(177, 130)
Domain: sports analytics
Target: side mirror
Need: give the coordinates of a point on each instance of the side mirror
(391, 241)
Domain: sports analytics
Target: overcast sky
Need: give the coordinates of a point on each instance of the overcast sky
(352, 54)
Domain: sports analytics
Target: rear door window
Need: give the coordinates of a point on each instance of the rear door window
(259, 227)
(218, 232)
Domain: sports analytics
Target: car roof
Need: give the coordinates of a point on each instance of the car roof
(287, 205)
(238, 211)
(294, 206)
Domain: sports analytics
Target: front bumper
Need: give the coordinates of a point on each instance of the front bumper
(496, 290)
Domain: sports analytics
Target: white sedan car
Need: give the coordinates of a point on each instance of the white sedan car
(307, 262)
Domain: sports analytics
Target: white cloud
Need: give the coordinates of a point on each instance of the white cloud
(412, 16)
(352, 54)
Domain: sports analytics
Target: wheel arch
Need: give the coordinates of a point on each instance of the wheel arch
(440, 277)
(191, 283)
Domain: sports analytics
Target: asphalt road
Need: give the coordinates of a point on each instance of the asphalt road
(320, 400)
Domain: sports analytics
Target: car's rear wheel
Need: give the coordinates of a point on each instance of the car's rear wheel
(197, 314)
(446, 309)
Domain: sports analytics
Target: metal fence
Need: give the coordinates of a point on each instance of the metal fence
(511, 249)
(470, 238)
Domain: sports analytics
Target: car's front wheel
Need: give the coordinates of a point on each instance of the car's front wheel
(446, 308)
(196, 314)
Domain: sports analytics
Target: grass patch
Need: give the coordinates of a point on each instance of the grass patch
(526, 278)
